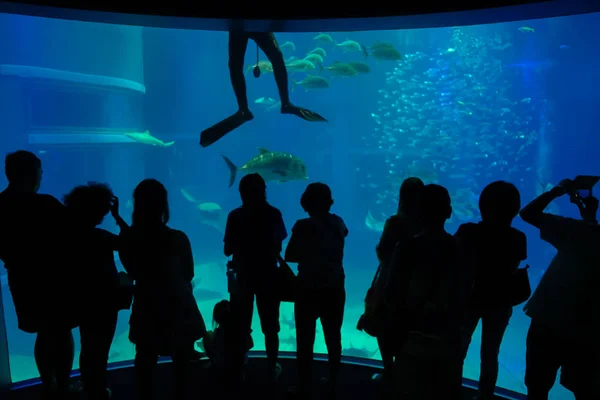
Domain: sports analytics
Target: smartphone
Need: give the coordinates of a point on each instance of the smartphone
(585, 182)
(584, 193)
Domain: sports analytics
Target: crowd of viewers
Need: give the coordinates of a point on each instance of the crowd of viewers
(430, 290)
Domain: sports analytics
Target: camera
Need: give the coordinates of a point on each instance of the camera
(581, 188)
(235, 282)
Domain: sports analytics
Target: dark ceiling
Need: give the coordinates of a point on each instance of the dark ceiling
(300, 16)
(278, 10)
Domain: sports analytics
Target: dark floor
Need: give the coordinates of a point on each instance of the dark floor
(356, 383)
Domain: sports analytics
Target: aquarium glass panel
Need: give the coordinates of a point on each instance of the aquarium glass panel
(459, 106)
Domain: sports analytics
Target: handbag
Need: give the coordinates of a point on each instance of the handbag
(192, 326)
(286, 282)
(372, 320)
(520, 287)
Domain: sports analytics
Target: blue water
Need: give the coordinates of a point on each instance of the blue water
(465, 106)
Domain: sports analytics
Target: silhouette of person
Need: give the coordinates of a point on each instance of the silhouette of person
(238, 42)
(95, 247)
(317, 245)
(253, 236)
(564, 309)
(424, 293)
(35, 249)
(496, 249)
(165, 320)
(214, 341)
(404, 225)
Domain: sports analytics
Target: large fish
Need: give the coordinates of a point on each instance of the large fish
(311, 82)
(147, 138)
(272, 166)
(324, 38)
(264, 66)
(349, 46)
(373, 223)
(300, 66)
(268, 103)
(340, 69)
(210, 214)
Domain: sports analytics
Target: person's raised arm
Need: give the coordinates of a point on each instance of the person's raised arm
(114, 210)
(533, 213)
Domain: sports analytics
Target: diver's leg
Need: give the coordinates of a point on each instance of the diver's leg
(237, 50)
(268, 44)
(238, 42)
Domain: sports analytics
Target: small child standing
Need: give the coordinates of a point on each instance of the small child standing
(496, 250)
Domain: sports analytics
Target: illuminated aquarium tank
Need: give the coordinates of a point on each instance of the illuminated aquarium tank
(460, 106)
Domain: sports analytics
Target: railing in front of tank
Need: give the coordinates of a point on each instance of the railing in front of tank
(501, 392)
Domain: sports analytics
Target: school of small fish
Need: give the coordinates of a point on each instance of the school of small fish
(451, 115)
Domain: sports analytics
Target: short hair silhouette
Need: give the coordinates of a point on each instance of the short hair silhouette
(221, 312)
(91, 201)
(435, 204)
(316, 198)
(150, 203)
(410, 191)
(499, 202)
(21, 166)
(253, 189)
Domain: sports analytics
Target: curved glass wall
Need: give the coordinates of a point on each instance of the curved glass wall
(460, 106)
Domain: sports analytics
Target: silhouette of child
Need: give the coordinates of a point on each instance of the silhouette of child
(496, 249)
(215, 341)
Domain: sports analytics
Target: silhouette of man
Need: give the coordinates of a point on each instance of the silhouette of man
(253, 236)
(238, 42)
(564, 309)
(32, 247)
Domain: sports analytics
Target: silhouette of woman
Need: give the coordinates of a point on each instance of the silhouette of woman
(238, 42)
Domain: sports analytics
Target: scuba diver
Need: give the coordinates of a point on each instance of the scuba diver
(238, 42)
